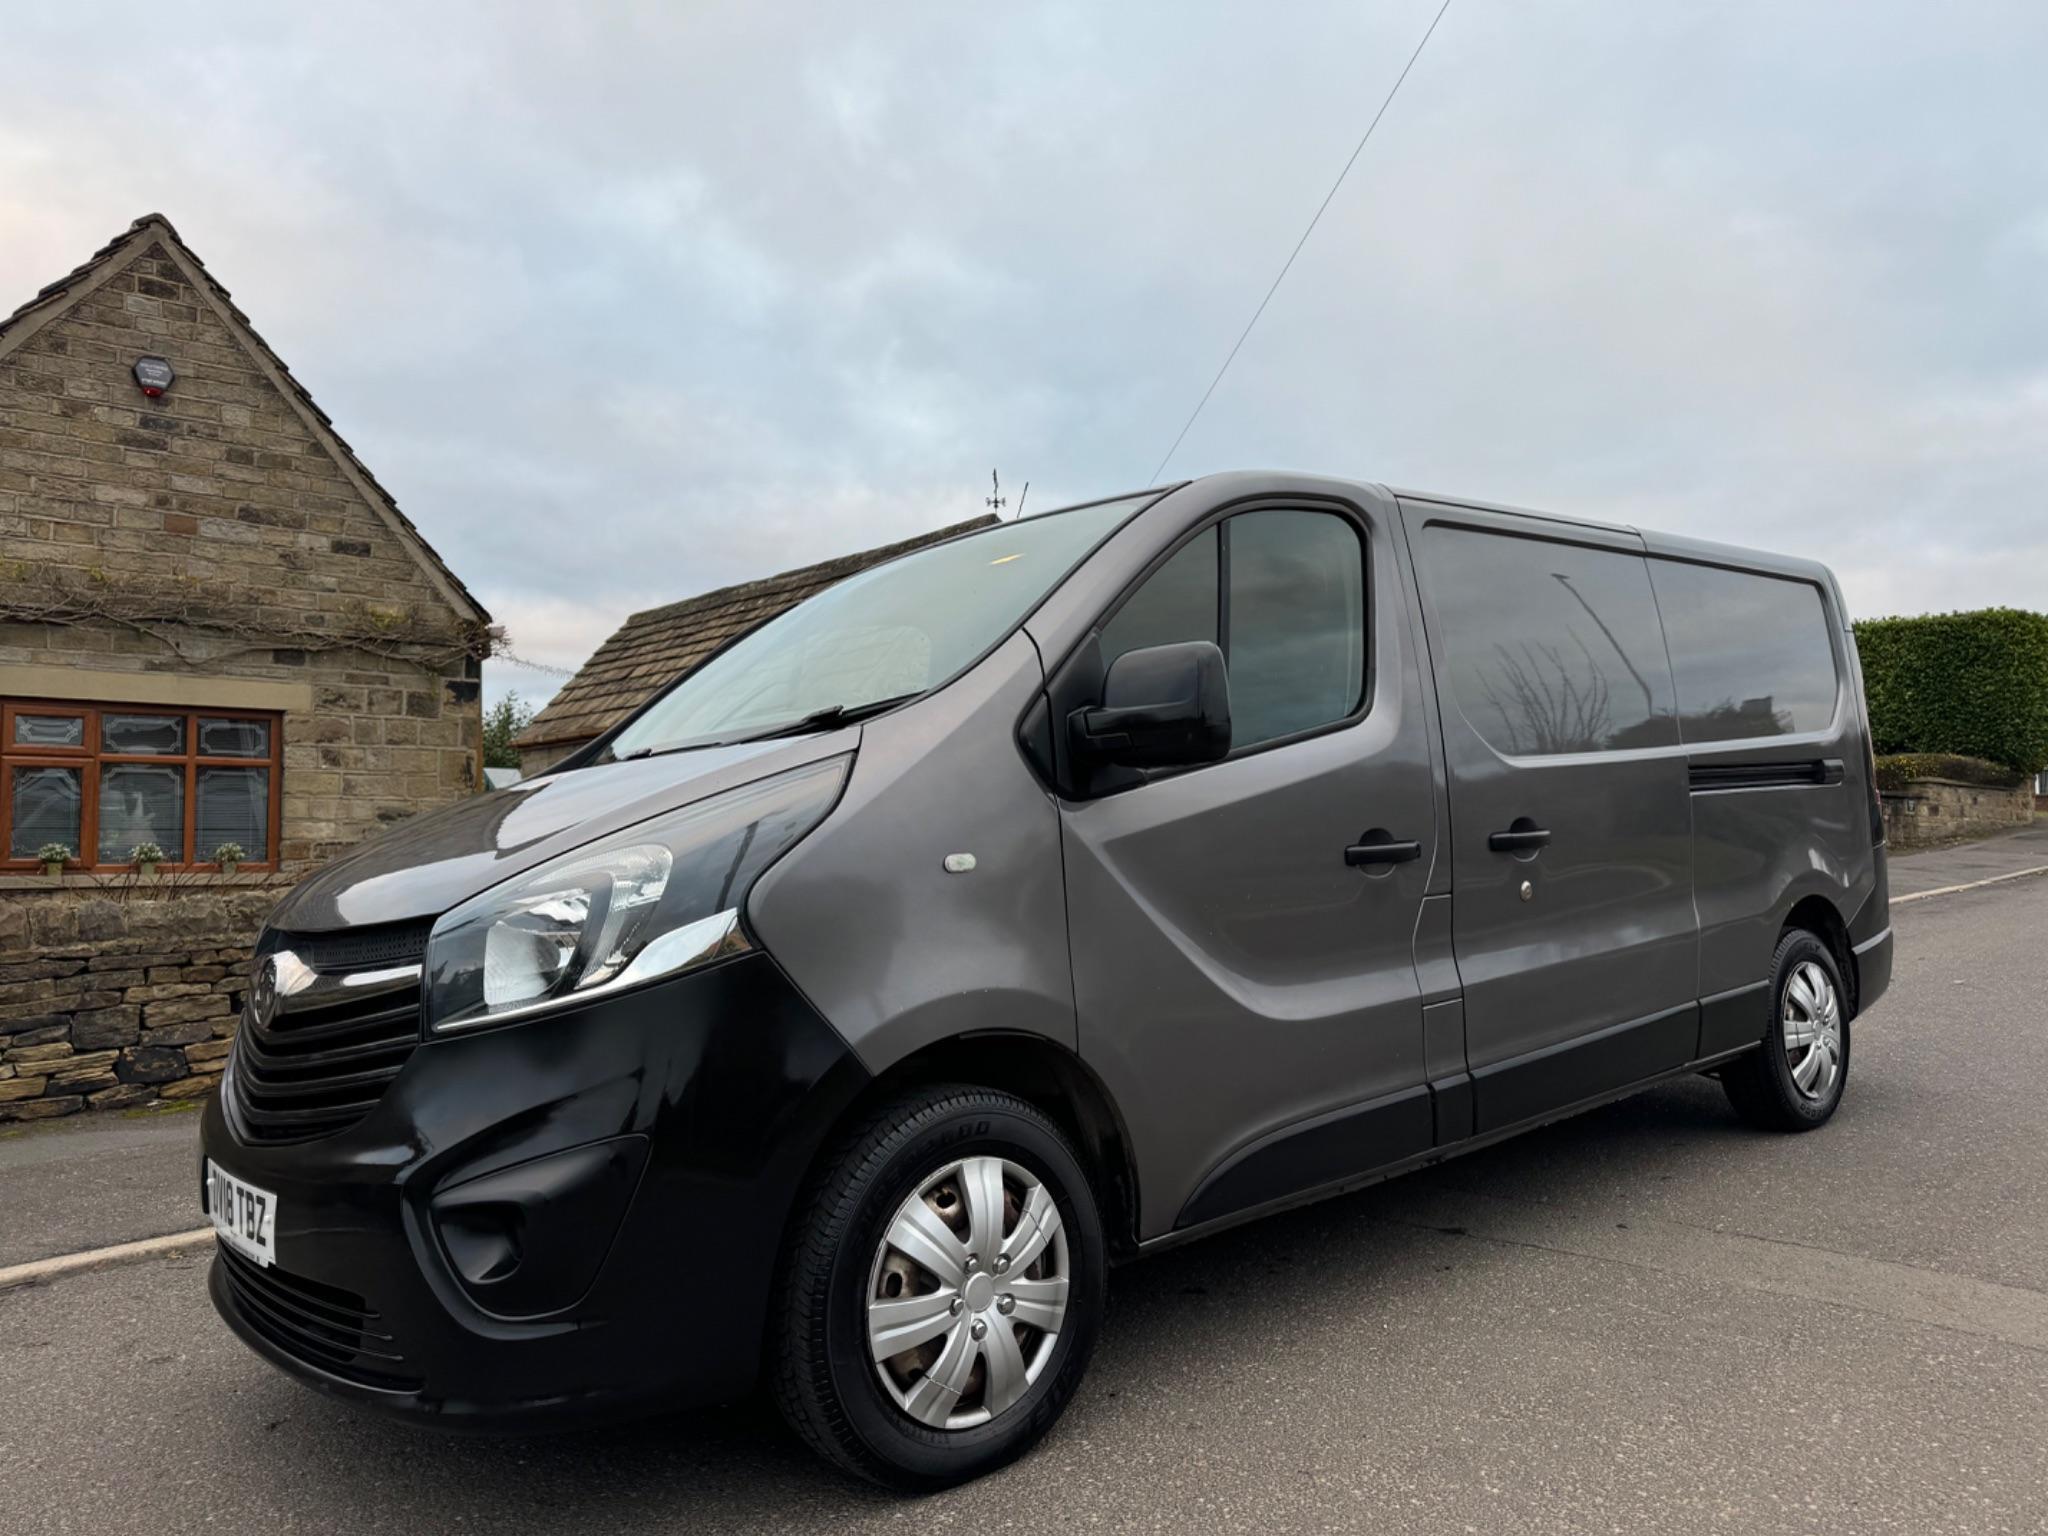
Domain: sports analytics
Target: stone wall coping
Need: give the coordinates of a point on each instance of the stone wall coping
(136, 888)
(1995, 789)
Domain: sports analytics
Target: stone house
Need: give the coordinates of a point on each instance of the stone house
(654, 648)
(216, 627)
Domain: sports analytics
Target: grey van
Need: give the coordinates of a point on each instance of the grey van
(1035, 901)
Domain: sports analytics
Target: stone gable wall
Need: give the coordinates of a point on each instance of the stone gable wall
(218, 479)
(217, 495)
(202, 548)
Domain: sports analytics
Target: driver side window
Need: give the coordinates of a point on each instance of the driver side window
(1282, 593)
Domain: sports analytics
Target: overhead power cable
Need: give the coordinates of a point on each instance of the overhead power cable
(1287, 264)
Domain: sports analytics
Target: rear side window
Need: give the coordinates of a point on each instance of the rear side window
(1751, 652)
(1551, 648)
(1282, 593)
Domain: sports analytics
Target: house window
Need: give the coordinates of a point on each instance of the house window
(104, 778)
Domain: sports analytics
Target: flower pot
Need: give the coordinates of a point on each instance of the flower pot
(53, 868)
(229, 869)
(147, 871)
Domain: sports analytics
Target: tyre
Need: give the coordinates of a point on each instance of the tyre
(1795, 1082)
(941, 1290)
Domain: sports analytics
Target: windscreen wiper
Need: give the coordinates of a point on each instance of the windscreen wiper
(817, 720)
(825, 719)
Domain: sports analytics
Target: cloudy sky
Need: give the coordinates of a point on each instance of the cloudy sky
(625, 302)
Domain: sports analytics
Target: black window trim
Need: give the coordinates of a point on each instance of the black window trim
(1836, 659)
(1611, 539)
(1219, 518)
(1614, 538)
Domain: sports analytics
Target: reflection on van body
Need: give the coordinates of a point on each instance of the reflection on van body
(1555, 648)
(1037, 899)
(1734, 632)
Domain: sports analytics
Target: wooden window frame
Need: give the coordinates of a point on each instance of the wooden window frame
(90, 758)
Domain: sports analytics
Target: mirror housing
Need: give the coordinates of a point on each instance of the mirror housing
(1166, 706)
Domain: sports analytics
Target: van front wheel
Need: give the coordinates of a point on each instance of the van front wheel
(1795, 1082)
(942, 1290)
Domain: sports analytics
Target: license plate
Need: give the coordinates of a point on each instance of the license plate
(243, 1215)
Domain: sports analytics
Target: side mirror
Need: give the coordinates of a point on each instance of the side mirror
(1166, 706)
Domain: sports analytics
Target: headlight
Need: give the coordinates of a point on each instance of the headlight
(653, 900)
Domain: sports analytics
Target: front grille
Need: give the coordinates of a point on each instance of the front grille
(362, 949)
(334, 1041)
(322, 1325)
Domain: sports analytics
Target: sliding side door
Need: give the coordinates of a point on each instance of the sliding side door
(1571, 823)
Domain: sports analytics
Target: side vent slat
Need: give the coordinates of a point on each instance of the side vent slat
(1707, 777)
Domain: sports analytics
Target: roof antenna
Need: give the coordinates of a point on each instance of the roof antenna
(1021, 497)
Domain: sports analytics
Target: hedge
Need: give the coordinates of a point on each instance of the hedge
(1974, 684)
(1898, 769)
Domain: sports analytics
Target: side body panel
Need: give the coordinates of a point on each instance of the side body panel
(1257, 1012)
(1578, 958)
(891, 947)
(1248, 998)
(1762, 848)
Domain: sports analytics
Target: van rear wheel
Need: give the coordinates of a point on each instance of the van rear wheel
(1796, 1081)
(942, 1290)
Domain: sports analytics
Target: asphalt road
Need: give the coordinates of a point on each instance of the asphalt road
(1965, 862)
(1648, 1319)
(95, 1180)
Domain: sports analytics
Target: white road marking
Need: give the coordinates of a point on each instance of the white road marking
(94, 1258)
(1970, 885)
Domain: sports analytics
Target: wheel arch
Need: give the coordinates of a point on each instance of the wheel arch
(1042, 1073)
(1820, 917)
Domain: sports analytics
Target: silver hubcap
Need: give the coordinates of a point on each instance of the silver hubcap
(967, 1292)
(1813, 1030)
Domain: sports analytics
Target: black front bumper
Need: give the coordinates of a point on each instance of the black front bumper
(574, 1214)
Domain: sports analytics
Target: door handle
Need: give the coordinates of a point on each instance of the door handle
(1515, 839)
(1359, 854)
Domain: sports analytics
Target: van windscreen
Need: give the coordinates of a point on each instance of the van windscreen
(886, 634)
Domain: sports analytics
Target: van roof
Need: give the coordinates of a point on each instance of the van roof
(1437, 498)
(1678, 545)
(1675, 545)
